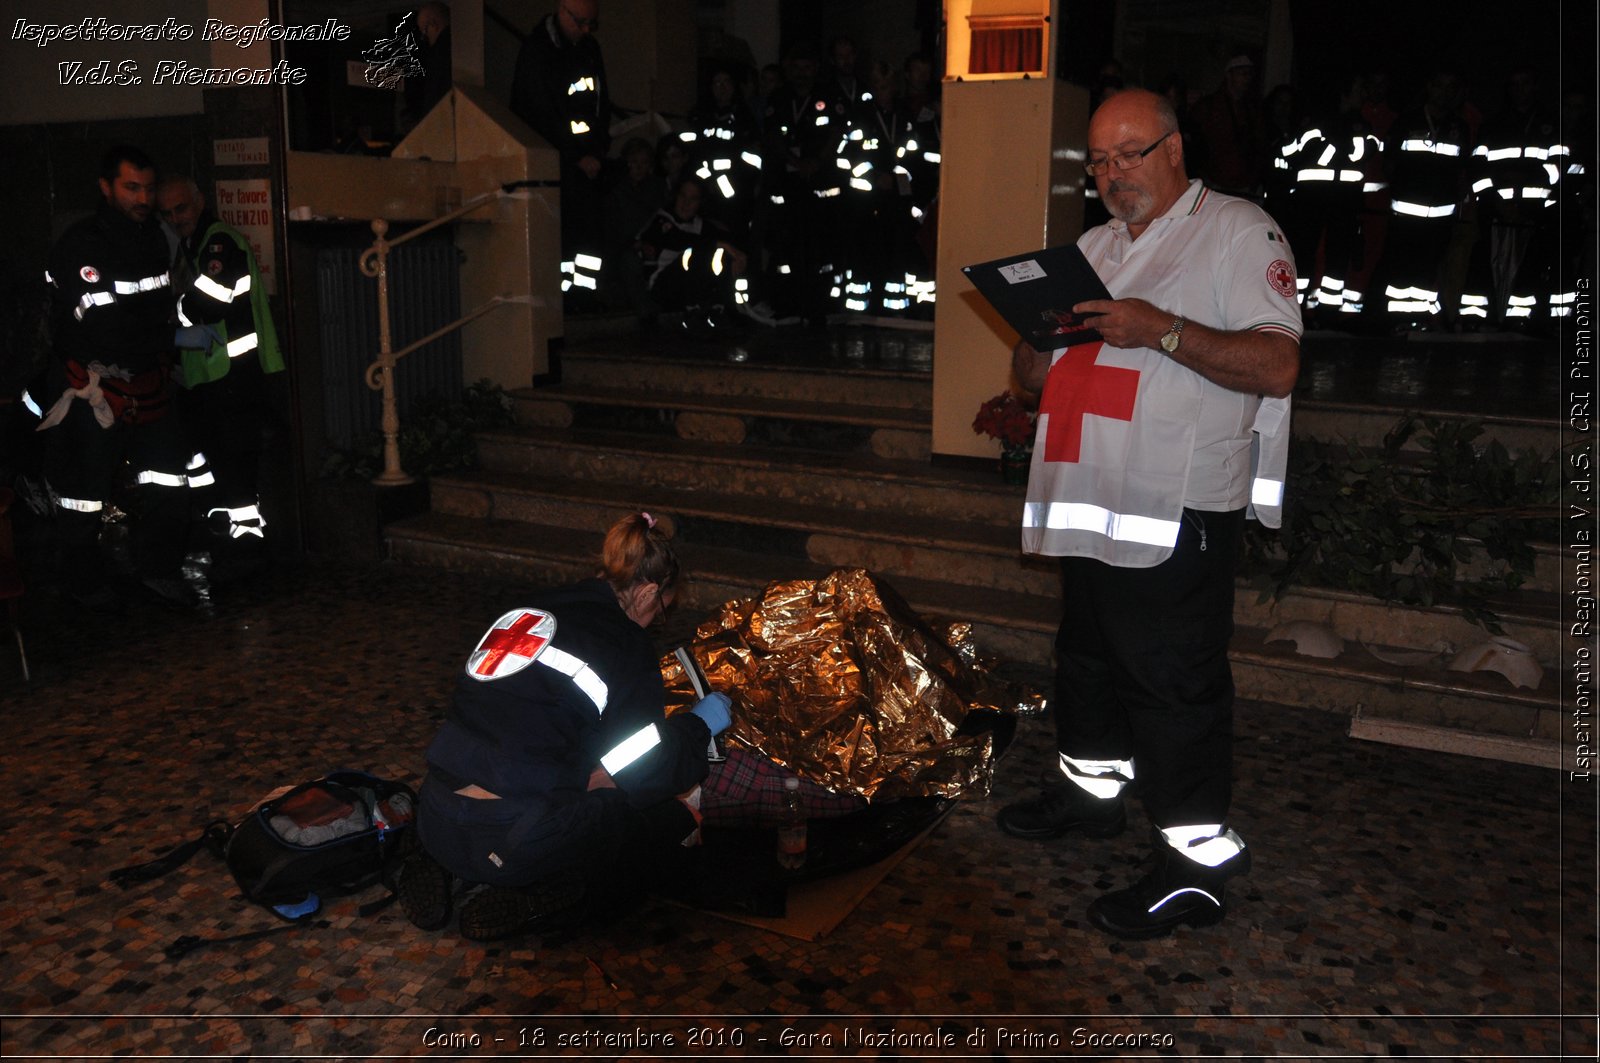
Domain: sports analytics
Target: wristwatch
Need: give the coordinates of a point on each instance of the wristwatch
(1173, 336)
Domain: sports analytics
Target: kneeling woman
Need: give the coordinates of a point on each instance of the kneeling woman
(556, 778)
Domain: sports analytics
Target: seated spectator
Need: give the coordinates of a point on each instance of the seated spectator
(698, 267)
(634, 197)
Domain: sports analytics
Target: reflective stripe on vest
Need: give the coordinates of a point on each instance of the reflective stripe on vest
(80, 505)
(1082, 516)
(579, 672)
(1269, 460)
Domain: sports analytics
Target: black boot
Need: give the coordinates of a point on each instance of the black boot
(1176, 891)
(510, 911)
(1061, 809)
(425, 892)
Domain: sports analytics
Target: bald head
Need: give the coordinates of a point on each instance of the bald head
(1136, 132)
(179, 202)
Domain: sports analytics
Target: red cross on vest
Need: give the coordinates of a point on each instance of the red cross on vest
(1076, 387)
(519, 635)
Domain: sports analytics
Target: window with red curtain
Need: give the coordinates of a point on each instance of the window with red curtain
(1006, 44)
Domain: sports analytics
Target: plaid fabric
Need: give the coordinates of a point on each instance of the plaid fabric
(747, 789)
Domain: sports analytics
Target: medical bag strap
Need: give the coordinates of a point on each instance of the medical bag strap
(191, 943)
(214, 837)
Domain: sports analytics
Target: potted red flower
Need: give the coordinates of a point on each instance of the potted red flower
(1006, 419)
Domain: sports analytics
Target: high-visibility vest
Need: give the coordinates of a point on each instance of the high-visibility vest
(200, 367)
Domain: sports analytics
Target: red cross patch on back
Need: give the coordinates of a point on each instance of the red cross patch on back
(1077, 387)
(514, 642)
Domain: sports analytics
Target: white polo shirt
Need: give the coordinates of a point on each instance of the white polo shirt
(1128, 437)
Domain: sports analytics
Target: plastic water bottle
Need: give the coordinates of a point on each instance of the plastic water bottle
(792, 831)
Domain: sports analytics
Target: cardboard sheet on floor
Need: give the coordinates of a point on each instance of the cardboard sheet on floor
(815, 908)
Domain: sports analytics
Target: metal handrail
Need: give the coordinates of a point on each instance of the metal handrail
(380, 374)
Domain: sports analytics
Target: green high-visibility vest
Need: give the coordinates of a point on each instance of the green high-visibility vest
(201, 367)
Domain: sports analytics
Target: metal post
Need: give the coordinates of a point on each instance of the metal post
(375, 263)
(380, 374)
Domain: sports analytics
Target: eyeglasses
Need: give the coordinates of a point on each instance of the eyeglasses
(1127, 160)
(590, 24)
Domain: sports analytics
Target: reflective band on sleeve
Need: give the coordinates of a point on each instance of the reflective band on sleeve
(725, 185)
(33, 407)
(1081, 516)
(1265, 492)
(1422, 210)
(92, 299)
(592, 263)
(583, 84)
(208, 287)
(751, 158)
(580, 673)
(162, 479)
(579, 128)
(143, 284)
(1428, 147)
(631, 749)
(80, 505)
(242, 345)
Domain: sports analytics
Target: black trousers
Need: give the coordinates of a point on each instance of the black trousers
(88, 463)
(1142, 669)
(596, 835)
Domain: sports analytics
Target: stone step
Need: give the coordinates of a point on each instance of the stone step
(887, 431)
(1016, 626)
(910, 490)
(983, 555)
(975, 554)
(862, 483)
(731, 372)
(1012, 625)
(1366, 424)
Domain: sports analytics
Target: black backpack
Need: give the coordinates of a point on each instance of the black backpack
(352, 827)
(335, 835)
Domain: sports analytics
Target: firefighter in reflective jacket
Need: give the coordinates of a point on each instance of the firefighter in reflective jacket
(224, 407)
(111, 387)
(557, 778)
(1426, 153)
(560, 89)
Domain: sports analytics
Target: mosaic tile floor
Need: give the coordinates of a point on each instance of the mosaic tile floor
(1402, 902)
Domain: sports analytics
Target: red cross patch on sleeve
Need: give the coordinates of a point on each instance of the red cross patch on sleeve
(1281, 276)
(514, 642)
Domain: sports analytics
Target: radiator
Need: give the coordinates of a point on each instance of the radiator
(424, 294)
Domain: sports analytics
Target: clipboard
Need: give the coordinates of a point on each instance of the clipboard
(1035, 293)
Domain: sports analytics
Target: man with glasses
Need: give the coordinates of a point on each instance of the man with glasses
(1153, 443)
(560, 89)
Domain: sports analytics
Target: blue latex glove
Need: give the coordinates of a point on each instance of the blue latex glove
(197, 336)
(716, 710)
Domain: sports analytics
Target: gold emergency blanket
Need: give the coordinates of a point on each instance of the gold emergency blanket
(839, 681)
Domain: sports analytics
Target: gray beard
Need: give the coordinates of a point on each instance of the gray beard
(1136, 213)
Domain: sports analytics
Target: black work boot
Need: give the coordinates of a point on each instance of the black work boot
(1176, 891)
(509, 911)
(424, 887)
(1062, 809)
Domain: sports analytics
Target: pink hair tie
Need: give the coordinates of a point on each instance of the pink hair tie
(650, 521)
